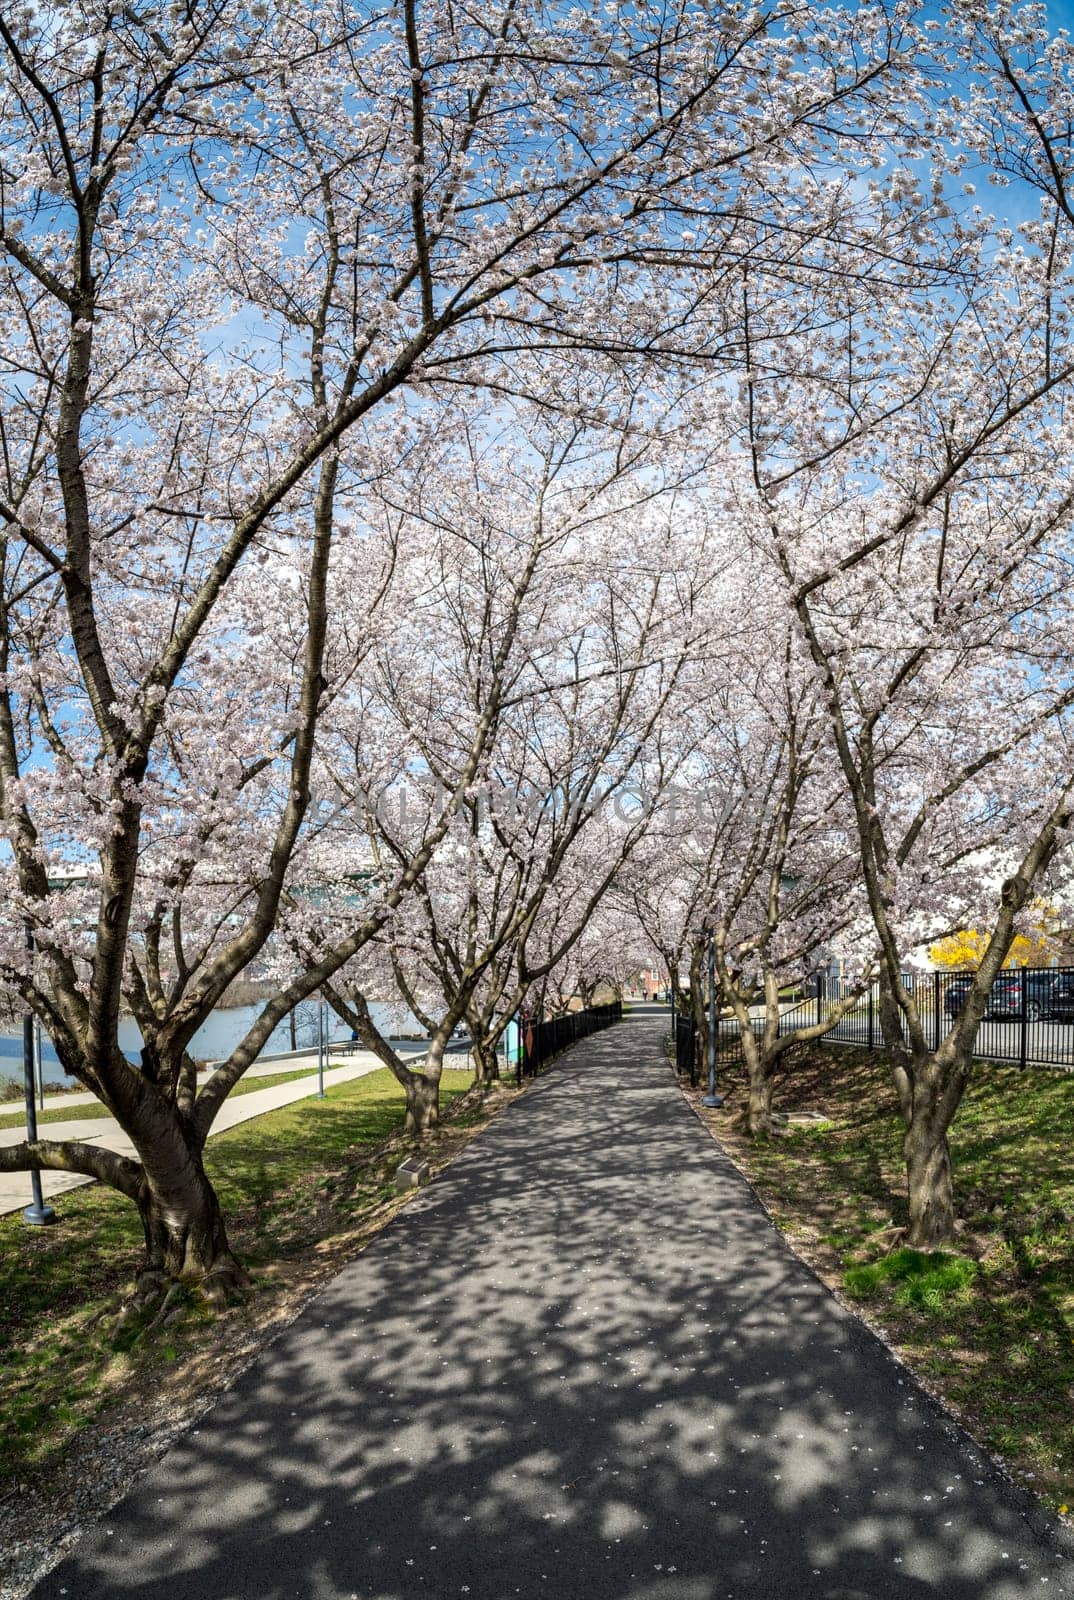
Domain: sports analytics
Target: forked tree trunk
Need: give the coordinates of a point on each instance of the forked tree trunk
(485, 1059)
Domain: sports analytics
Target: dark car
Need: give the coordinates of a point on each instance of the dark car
(1006, 999)
(954, 995)
(1061, 1001)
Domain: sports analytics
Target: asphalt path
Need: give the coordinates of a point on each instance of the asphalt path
(582, 1364)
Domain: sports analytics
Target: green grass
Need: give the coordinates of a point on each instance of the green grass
(929, 1281)
(287, 1181)
(990, 1324)
(13, 1115)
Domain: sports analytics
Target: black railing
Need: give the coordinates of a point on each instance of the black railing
(1029, 1020)
(686, 1048)
(539, 1041)
(690, 1058)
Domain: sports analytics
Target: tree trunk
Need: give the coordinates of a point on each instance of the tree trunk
(185, 1237)
(423, 1090)
(698, 1008)
(759, 1083)
(929, 1182)
(486, 1060)
(930, 1187)
(422, 1103)
(759, 1109)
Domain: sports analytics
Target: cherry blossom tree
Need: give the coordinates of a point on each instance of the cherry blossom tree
(214, 270)
(752, 854)
(233, 238)
(918, 511)
(782, 883)
(562, 545)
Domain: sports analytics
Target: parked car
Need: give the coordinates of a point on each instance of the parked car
(954, 995)
(1061, 1001)
(1005, 1001)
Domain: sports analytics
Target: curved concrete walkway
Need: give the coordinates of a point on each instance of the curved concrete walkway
(581, 1365)
(105, 1131)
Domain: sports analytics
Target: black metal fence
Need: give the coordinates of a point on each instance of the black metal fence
(686, 1048)
(689, 1047)
(1030, 1016)
(539, 1041)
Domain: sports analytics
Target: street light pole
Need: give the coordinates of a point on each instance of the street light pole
(38, 1212)
(712, 1098)
(39, 1070)
(320, 1046)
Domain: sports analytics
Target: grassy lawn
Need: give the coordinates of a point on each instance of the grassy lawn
(290, 1183)
(14, 1113)
(990, 1328)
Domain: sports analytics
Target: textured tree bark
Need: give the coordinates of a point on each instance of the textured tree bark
(759, 1108)
(758, 1083)
(182, 1223)
(185, 1237)
(423, 1096)
(486, 1061)
(929, 1181)
(698, 1008)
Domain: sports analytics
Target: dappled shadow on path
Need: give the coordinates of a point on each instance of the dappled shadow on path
(582, 1364)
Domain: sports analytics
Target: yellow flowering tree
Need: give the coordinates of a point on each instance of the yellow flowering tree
(1035, 949)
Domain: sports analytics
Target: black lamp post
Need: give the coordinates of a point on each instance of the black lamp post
(38, 1212)
(712, 1098)
(322, 1046)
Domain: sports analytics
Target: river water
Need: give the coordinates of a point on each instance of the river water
(215, 1038)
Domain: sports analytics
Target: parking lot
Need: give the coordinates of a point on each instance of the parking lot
(1048, 1041)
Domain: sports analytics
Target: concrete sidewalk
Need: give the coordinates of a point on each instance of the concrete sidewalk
(265, 1067)
(582, 1365)
(15, 1186)
(306, 1062)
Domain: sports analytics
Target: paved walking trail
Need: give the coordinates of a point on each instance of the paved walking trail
(582, 1364)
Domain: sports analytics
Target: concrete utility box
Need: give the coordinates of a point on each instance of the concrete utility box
(412, 1172)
